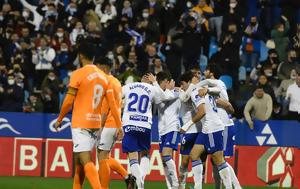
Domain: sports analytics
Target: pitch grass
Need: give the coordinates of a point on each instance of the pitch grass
(61, 183)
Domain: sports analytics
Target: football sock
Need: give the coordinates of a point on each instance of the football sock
(116, 166)
(137, 172)
(78, 177)
(145, 166)
(171, 172)
(234, 179)
(104, 173)
(92, 175)
(197, 169)
(225, 175)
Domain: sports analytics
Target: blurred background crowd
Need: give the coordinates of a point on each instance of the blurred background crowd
(256, 43)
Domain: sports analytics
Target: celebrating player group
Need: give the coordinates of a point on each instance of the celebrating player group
(96, 99)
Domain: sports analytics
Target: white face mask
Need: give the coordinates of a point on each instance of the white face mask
(188, 4)
(145, 15)
(11, 81)
(25, 14)
(293, 77)
(1, 18)
(232, 5)
(59, 34)
(51, 78)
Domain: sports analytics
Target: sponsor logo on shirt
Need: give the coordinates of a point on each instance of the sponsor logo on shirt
(138, 118)
(134, 128)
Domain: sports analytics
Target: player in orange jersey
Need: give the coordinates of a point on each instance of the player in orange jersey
(109, 130)
(87, 88)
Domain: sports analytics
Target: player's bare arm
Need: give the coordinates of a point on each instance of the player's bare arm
(66, 106)
(197, 117)
(225, 104)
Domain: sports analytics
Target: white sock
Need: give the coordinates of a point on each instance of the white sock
(145, 166)
(137, 172)
(197, 169)
(171, 172)
(234, 179)
(224, 172)
(183, 173)
(166, 171)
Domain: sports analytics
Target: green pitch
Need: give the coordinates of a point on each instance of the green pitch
(59, 183)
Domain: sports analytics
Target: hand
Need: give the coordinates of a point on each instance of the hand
(284, 18)
(151, 78)
(202, 92)
(182, 131)
(57, 125)
(120, 134)
(171, 84)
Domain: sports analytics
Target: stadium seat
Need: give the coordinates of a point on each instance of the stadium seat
(227, 80)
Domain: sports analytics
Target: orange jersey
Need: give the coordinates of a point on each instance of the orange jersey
(91, 84)
(117, 90)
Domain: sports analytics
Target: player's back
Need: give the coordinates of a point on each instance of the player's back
(91, 83)
(117, 90)
(168, 114)
(187, 111)
(221, 111)
(138, 98)
(211, 122)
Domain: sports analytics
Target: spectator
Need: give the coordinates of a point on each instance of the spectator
(281, 39)
(263, 81)
(216, 20)
(51, 87)
(42, 57)
(269, 66)
(251, 44)
(78, 30)
(296, 40)
(34, 104)
(293, 96)
(259, 107)
(127, 10)
(158, 66)
(12, 96)
(285, 68)
(281, 91)
(60, 37)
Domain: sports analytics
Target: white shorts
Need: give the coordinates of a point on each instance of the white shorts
(84, 139)
(107, 138)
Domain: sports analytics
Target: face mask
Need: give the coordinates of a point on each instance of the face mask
(253, 23)
(17, 69)
(59, 34)
(69, 74)
(293, 77)
(64, 50)
(72, 10)
(25, 14)
(11, 81)
(51, 78)
(172, 1)
(110, 56)
(293, 59)
(232, 5)
(145, 15)
(1, 18)
(268, 74)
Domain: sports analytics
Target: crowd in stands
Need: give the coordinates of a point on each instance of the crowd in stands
(38, 41)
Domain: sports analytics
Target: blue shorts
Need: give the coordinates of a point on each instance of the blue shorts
(169, 140)
(136, 139)
(212, 142)
(228, 140)
(187, 143)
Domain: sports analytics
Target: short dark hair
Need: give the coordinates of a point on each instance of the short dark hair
(214, 69)
(87, 49)
(187, 77)
(103, 61)
(162, 76)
